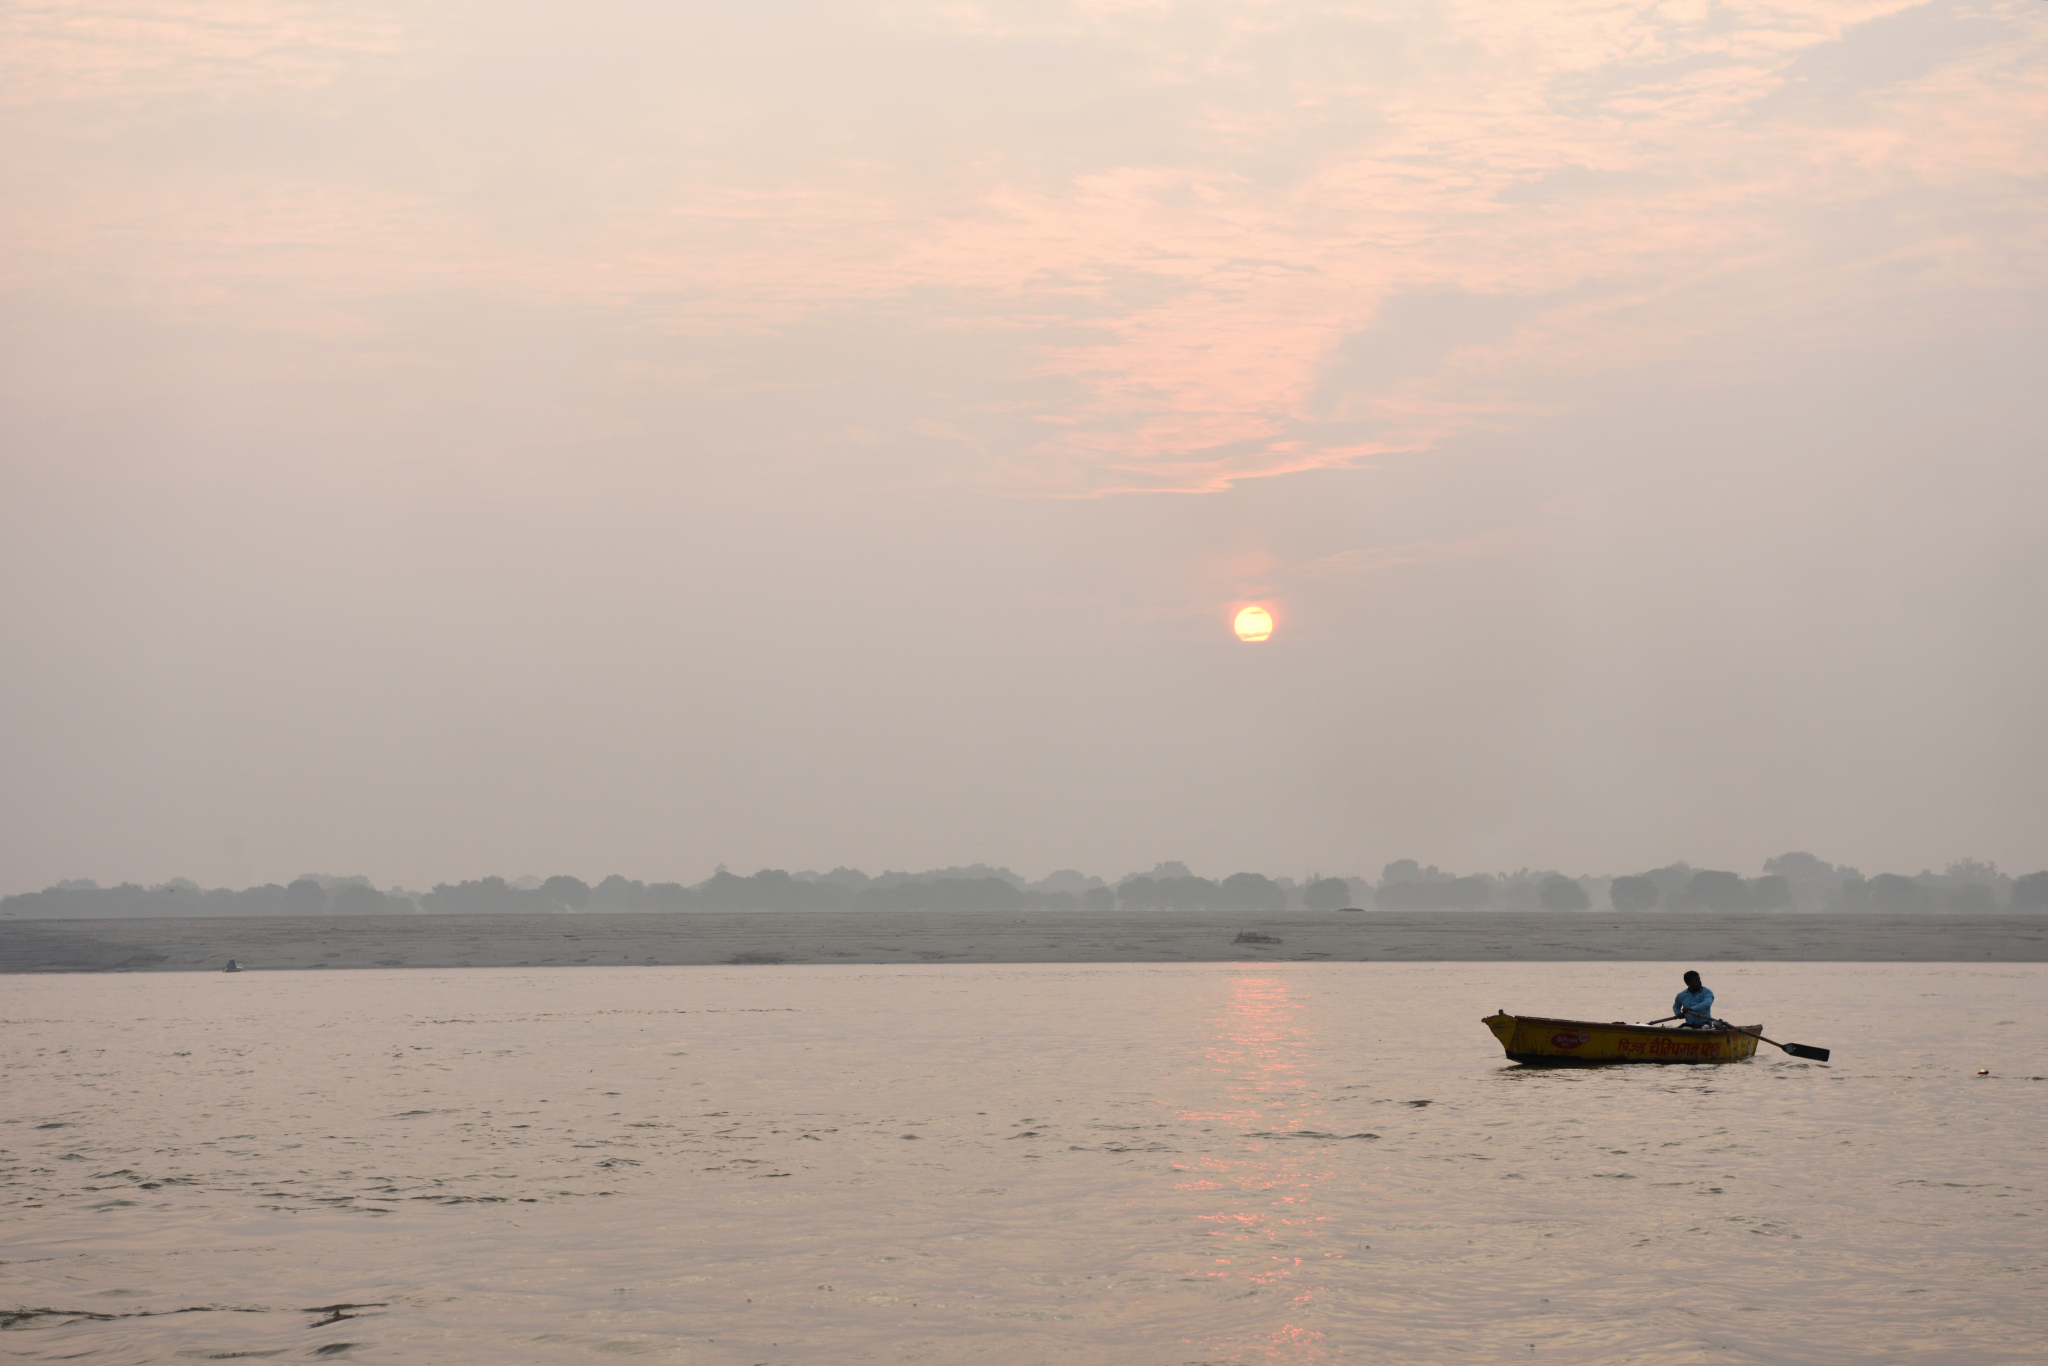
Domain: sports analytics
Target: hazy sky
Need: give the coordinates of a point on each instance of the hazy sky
(453, 438)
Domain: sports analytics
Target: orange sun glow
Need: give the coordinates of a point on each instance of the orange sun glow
(1253, 624)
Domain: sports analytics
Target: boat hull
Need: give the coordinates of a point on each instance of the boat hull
(1539, 1040)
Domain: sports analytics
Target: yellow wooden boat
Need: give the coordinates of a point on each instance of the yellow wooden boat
(1536, 1039)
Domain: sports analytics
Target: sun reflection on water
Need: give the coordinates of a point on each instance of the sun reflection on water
(1265, 1230)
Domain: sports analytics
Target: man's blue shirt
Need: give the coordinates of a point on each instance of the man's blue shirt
(1696, 1006)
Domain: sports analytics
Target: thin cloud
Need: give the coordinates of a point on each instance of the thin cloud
(1190, 269)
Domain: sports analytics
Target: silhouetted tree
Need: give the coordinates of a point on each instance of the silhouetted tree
(1972, 898)
(486, 896)
(269, 899)
(1138, 893)
(1452, 894)
(1326, 894)
(1898, 895)
(1188, 893)
(1468, 893)
(353, 898)
(1099, 900)
(1402, 896)
(1560, 893)
(671, 897)
(306, 897)
(567, 891)
(1632, 894)
(1801, 868)
(943, 894)
(2030, 893)
(771, 889)
(617, 893)
(1251, 892)
(1718, 891)
(1773, 893)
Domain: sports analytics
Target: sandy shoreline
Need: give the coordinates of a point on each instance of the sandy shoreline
(451, 941)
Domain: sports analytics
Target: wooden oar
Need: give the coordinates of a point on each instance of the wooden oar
(1797, 1050)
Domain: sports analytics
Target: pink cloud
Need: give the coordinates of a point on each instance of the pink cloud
(1622, 162)
(72, 50)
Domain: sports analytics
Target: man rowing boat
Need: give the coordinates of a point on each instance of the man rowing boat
(1695, 1004)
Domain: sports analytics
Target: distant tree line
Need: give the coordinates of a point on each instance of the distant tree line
(1803, 882)
(310, 895)
(1788, 882)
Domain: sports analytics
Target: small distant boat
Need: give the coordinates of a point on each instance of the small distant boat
(232, 966)
(1536, 1039)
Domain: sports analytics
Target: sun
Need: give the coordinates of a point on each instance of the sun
(1253, 624)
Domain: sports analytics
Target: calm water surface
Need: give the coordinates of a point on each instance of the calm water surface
(1114, 1164)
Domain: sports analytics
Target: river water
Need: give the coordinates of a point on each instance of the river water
(1104, 1164)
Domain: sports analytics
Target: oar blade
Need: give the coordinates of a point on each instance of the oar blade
(1800, 1050)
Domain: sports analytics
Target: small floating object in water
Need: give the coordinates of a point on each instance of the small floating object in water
(1983, 1071)
(232, 966)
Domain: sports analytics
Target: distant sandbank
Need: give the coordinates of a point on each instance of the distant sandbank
(456, 941)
